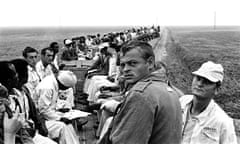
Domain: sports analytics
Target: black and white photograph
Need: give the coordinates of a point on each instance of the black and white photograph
(119, 72)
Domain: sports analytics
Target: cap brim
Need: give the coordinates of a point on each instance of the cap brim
(212, 79)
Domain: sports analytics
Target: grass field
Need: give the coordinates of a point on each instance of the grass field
(192, 46)
(14, 40)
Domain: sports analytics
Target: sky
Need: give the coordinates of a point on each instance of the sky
(60, 13)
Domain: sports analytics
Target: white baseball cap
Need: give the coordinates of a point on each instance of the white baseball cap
(67, 78)
(211, 71)
(68, 41)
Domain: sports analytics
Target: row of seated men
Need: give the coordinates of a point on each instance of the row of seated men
(37, 93)
(36, 96)
(40, 89)
(83, 48)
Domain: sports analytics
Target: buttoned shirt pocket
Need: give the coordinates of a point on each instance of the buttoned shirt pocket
(209, 136)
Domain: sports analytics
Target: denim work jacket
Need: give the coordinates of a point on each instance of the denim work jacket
(149, 114)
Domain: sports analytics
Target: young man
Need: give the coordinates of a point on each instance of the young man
(203, 120)
(56, 59)
(44, 66)
(31, 56)
(150, 112)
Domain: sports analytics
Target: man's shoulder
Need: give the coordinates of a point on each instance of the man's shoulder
(47, 81)
(220, 113)
(39, 64)
(141, 86)
(185, 99)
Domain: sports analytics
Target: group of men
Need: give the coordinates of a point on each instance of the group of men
(151, 111)
(47, 81)
(34, 88)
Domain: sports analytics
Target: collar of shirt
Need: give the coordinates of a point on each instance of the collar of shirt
(204, 115)
(41, 66)
(31, 68)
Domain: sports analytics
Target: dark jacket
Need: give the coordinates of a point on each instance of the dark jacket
(69, 54)
(150, 114)
(102, 65)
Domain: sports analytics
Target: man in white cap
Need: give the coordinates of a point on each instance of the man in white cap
(47, 92)
(203, 119)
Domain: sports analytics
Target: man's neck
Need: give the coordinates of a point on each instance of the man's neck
(199, 106)
(32, 67)
(44, 64)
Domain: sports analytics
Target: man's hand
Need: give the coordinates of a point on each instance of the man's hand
(12, 125)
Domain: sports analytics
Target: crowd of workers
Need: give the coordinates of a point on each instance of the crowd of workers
(128, 90)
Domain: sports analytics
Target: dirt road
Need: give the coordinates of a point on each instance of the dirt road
(159, 45)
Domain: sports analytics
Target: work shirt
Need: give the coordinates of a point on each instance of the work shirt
(149, 114)
(43, 71)
(212, 126)
(56, 61)
(47, 93)
(19, 103)
(33, 81)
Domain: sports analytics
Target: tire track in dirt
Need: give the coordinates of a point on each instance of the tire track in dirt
(160, 46)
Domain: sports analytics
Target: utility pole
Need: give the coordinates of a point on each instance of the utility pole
(215, 17)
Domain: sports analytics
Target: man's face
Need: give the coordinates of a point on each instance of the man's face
(48, 57)
(56, 48)
(202, 88)
(134, 67)
(32, 58)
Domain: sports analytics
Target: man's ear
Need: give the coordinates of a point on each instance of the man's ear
(217, 89)
(151, 63)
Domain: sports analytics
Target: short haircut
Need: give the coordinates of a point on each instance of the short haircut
(6, 73)
(144, 48)
(52, 44)
(43, 51)
(21, 67)
(28, 50)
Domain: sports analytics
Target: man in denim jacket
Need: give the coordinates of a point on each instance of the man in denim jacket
(150, 112)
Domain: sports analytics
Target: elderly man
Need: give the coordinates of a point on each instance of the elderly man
(204, 122)
(47, 91)
(150, 112)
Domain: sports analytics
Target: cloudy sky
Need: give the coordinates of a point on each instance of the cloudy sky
(118, 12)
